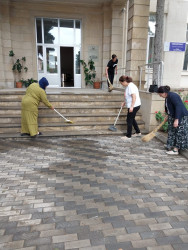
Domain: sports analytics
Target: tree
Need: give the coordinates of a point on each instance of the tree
(158, 40)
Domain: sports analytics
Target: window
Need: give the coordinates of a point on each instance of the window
(50, 31)
(185, 64)
(151, 35)
(66, 32)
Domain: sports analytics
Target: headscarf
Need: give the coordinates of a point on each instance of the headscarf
(43, 83)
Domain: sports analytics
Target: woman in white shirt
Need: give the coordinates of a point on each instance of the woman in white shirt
(132, 100)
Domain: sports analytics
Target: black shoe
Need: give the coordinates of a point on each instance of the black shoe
(34, 136)
(23, 134)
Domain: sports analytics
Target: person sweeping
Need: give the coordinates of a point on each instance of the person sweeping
(35, 94)
(111, 69)
(132, 99)
(177, 121)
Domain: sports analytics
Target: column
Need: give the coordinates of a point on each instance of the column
(137, 37)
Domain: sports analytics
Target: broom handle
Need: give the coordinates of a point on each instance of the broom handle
(117, 116)
(160, 125)
(60, 114)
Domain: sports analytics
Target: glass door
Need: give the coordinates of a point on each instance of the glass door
(55, 38)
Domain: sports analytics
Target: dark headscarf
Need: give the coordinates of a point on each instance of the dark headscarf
(43, 83)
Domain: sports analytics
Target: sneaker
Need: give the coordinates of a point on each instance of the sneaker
(172, 152)
(136, 134)
(125, 138)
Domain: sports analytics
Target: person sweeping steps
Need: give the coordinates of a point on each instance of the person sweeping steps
(35, 94)
(132, 100)
(177, 121)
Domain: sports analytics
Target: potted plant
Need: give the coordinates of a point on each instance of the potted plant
(27, 82)
(90, 73)
(18, 68)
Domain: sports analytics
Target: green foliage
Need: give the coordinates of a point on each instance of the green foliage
(160, 117)
(28, 82)
(89, 71)
(18, 64)
(184, 98)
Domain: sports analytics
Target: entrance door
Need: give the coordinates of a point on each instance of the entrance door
(67, 66)
(58, 50)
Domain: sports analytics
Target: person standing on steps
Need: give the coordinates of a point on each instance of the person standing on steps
(111, 69)
(177, 121)
(132, 99)
(35, 94)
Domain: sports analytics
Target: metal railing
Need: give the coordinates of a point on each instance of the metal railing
(148, 68)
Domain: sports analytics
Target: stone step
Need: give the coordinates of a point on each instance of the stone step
(15, 128)
(65, 97)
(64, 134)
(74, 117)
(67, 104)
(10, 110)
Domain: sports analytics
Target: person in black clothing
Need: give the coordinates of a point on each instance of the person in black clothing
(111, 69)
(177, 121)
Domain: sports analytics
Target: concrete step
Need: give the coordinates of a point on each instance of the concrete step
(66, 98)
(70, 110)
(64, 134)
(69, 133)
(15, 128)
(92, 112)
(67, 104)
(74, 117)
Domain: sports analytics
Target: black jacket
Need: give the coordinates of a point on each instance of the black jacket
(175, 106)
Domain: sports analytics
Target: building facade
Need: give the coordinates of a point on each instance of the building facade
(53, 35)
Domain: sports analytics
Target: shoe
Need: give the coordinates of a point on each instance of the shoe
(23, 134)
(109, 90)
(125, 138)
(172, 152)
(136, 134)
(34, 136)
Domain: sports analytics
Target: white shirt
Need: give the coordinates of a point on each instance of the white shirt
(132, 89)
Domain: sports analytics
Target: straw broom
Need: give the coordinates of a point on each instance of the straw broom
(152, 134)
(110, 85)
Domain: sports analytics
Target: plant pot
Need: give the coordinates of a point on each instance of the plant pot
(97, 85)
(18, 84)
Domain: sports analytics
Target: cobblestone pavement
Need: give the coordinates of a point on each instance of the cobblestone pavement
(92, 193)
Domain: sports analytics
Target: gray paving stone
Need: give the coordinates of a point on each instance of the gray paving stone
(98, 188)
(37, 241)
(116, 246)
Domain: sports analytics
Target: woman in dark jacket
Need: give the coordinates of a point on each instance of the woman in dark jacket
(177, 121)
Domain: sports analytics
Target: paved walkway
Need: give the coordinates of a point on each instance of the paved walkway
(92, 193)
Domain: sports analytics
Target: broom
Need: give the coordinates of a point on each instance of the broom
(66, 120)
(110, 85)
(152, 134)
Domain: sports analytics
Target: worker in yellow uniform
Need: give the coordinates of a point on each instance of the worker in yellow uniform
(35, 94)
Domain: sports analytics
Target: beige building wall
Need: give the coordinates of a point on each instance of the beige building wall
(6, 76)
(17, 33)
(175, 26)
(103, 27)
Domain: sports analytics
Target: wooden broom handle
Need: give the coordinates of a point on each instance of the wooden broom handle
(160, 125)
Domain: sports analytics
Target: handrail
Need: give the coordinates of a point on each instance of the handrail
(159, 73)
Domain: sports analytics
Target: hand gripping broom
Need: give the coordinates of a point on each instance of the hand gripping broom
(152, 134)
(66, 120)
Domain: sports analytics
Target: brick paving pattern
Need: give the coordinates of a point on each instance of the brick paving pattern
(92, 193)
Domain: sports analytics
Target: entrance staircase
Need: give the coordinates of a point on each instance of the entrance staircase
(92, 112)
